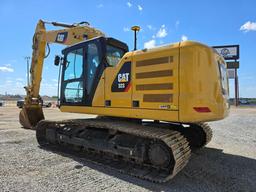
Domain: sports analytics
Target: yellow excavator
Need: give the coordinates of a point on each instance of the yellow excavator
(152, 104)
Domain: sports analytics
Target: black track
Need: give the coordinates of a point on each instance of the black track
(128, 147)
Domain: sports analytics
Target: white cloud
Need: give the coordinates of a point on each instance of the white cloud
(19, 79)
(177, 23)
(19, 84)
(126, 29)
(129, 4)
(16, 86)
(162, 32)
(151, 27)
(6, 68)
(100, 5)
(248, 26)
(184, 38)
(49, 89)
(49, 85)
(150, 44)
(140, 8)
(12, 87)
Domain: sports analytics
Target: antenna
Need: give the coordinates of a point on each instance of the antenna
(135, 29)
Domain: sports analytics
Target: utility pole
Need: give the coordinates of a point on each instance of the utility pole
(27, 58)
(236, 89)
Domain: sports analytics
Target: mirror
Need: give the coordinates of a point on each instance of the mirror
(57, 60)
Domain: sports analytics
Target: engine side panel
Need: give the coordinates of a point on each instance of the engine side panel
(155, 78)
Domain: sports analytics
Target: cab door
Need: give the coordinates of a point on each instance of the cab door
(81, 73)
(94, 67)
(72, 87)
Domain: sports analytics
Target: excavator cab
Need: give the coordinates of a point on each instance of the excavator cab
(83, 65)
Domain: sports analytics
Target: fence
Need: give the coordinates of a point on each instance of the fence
(8, 103)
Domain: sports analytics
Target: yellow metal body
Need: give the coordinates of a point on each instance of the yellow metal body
(168, 82)
(32, 112)
(75, 35)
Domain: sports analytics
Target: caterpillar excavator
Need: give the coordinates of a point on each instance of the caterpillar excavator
(152, 104)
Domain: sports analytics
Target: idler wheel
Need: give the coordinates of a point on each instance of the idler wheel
(159, 155)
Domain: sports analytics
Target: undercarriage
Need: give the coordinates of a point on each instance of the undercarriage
(154, 151)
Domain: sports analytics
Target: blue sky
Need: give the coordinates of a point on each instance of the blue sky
(215, 22)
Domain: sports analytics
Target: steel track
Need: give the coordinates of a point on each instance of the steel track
(177, 144)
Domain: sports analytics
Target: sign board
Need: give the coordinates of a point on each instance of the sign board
(228, 52)
(233, 65)
(231, 73)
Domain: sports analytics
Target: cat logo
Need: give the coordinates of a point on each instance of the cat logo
(61, 37)
(123, 77)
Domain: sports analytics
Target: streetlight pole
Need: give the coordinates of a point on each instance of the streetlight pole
(27, 58)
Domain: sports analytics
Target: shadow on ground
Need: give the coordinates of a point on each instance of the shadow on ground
(208, 170)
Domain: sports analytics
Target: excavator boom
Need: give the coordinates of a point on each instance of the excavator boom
(32, 111)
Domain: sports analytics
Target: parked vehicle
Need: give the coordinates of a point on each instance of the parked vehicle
(47, 104)
(20, 104)
(1, 103)
(244, 101)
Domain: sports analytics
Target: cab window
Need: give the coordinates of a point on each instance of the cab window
(113, 55)
(74, 65)
(74, 92)
(92, 62)
(73, 80)
(224, 78)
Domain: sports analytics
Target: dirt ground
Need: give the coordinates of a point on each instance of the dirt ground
(227, 163)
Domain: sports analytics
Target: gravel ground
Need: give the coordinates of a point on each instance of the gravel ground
(226, 164)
